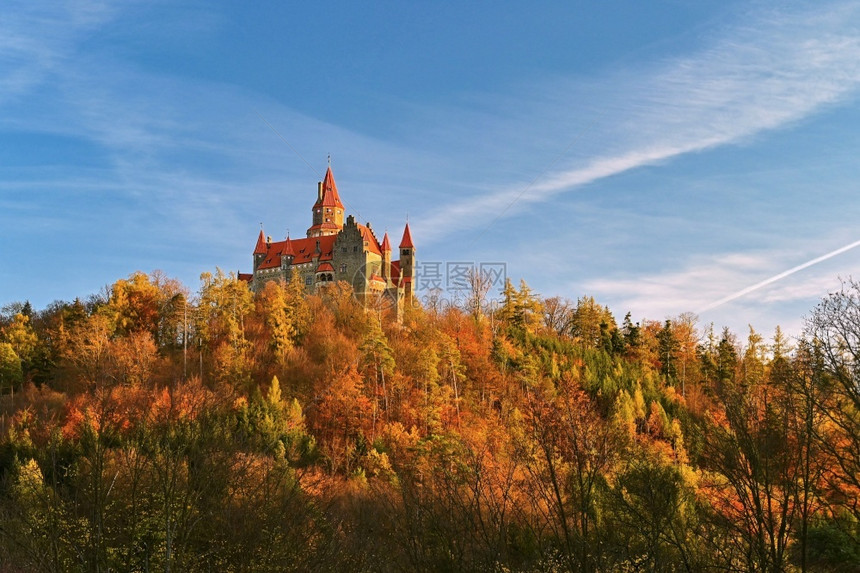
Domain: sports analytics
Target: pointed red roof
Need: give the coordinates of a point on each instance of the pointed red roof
(368, 237)
(260, 249)
(406, 241)
(330, 197)
(288, 248)
(325, 268)
(386, 246)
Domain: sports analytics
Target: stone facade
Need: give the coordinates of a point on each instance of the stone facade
(338, 250)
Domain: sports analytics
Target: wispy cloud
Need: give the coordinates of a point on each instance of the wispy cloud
(778, 277)
(774, 69)
(191, 154)
(701, 285)
(37, 39)
(658, 295)
(188, 163)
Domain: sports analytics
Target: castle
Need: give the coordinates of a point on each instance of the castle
(338, 250)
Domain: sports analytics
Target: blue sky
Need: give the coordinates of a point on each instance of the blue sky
(663, 157)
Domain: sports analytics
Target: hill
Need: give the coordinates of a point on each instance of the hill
(148, 428)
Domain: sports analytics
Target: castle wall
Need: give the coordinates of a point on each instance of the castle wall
(352, 260)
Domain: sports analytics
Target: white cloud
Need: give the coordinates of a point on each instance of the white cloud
(37, 39)
(780, 276)
(206, 164)
(776, 69)
(743, 283)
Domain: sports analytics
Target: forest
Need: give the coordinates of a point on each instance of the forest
(155, 428)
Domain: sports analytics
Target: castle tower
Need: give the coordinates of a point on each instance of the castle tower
(288, 254)
(386, 259)
(328, 210)
(407, 263)
(260, 250)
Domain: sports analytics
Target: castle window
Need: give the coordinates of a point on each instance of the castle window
(355, 249)
(343, 268)
(308, 281)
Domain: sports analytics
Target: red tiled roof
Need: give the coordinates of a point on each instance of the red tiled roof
(367, 235)
(377, 278)
(325, 268)
(406, 241)
(304, 250)
(247, 277)
(330, 197)
(260, 249)
(386, 246)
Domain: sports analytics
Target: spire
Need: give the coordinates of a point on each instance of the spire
(386, 246)
(406, 241)
(288, 248)
(329, 196)
(260, 249)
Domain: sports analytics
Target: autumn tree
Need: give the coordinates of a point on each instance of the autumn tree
(341, 420)
(753, 448)
(652, 517)
(591, 323)
(137, 303)
(37, 530)
(686, 337)
(479, 284)
(20, 335)
(521, 310)
(668, 349)
(11, 373)
(87, 349)
(272, 303)
(630, 334)
(570, 452)
(557, 315)
(801, 376)
(833, 343)
(378, 360)
(225, 303)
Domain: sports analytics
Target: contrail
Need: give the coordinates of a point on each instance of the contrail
(780, 276)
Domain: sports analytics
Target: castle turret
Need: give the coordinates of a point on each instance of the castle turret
(260, 250)
(407, 263)
(288, 254)
(328, 209)
(386, 259)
